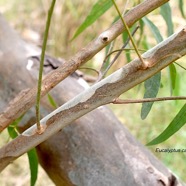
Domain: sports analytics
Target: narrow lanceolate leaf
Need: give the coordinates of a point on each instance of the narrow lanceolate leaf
(173, 76)
(33, 163)
(152, 86)
(127, 53)
(181, 7)
(155, 31)
(166, 13)
(32, 155)
(174, 126)
(12, 131)
(99, 8)
(52, 101)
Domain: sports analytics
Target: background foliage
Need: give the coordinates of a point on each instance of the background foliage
(156, 26)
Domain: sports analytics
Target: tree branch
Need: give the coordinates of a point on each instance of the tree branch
(19, 106)
(99, 94)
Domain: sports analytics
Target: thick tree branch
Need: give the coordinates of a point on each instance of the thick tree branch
(99, 94)
(20, 106)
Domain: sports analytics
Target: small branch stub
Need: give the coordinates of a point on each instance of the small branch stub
(105, 37)
(40, 130)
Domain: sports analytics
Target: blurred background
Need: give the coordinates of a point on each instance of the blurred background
(29, 18)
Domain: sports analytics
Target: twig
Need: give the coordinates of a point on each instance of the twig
(130, 101)
(180, 65)
(102, 75)
(130, 36)
(38, 98)
(88, 68)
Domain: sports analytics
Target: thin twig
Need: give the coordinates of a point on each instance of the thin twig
(110, 49)
(102, 74)
(180, 65)
(38, 98)
(122, 49)
(88, 68)
(130, 101)
(130, 36)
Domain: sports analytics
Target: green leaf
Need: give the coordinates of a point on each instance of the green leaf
(173, 76)
(173, 127)
(32, 155)
(127, 53)
(52, 101)
(12, 131)
(152, 86)
(33, 163)
(141, 29)
(99, 8)
(153, 29)
(181, 6)
(166, 13)
(176, 91)
(145, 43)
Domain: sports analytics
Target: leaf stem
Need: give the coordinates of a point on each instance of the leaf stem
(38, 98)
(130, 36)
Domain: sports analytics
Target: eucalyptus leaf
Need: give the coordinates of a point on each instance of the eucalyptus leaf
(173, 76)
(99, 8)
(141, 29)
(181, 6)
(32, 155)
(152, 86)
(127, 53)
(12, 132)
(155, 31)
(52, 101)
(33, 163)
(165, 11)
(173, 127)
